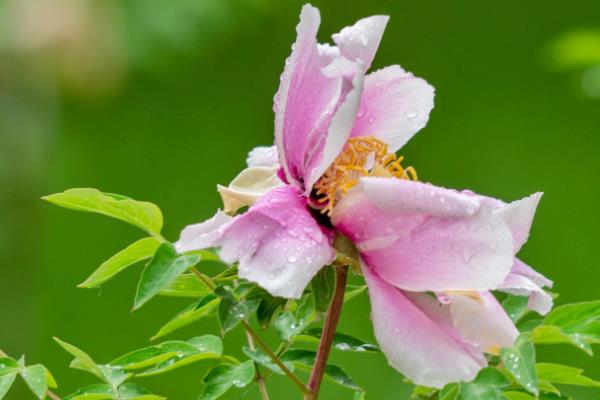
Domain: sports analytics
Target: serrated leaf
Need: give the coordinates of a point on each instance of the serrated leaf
(516, 307)
(190, 314)
(85, 361)
(340, 341)
(562, 374)
(519, 360)
(551, 334)
(488, 384)
(164, 267)
(231, 313)
(144, 215)
(6, 382)
(186, 285)
(141, 250)
(323, 285)
(222, 377)
(8, 366)
(35, 378)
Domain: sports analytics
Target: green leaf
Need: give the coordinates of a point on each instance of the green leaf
(520, 362)
(6, 382)
(138, 251)
(263, 359)
(516, 307)
(514, 395)
(267, 308)
(186, 285)
(339, 376)
(192, 313)
(352, 291)
(35, 377)
(8, 366)
(341, 341)
(299, 357)
(85, 362)
(488, 385)
(290, 324)
(164, 267)
(144, 215)
(224, 376)
(231, 313)
(572, 318)
(114, 376)
(551, 334)
(99, 391)
(323, 285)
(182, 353)
(562, 374)
(547, 387)
(449, 392)
(131, 391)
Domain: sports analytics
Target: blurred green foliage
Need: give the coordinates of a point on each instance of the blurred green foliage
(162, 100)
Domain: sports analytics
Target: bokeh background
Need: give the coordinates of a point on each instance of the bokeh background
(161, 100)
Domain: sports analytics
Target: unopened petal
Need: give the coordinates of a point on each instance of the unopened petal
(250, 185)
(361, 40)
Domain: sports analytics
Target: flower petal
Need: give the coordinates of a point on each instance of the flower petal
(263, 156)
(421, 244)
(203, 235)
(519, 217)
(481, 320)
(361, 40)
(417, 338)
(246, 188)
(314, 111)
(524, 281)
(394, 106)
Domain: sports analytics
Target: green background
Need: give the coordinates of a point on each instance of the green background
(194, 95)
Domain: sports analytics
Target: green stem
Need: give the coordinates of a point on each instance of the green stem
(260, 378)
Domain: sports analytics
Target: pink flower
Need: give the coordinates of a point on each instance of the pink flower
(429, 255)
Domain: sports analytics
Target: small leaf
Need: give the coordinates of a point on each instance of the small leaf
(323, 285)
(488, 385)
(144, 215)
(290, 324)
(267, 308)
(35, 377)
(339, 376)
(353, 291)
(114, 376)
(131, 391)
(99, 391)
(85, 362)
(231, 313)
(224, 376)
(8, 366)
(520, 362)
(192, 313)
(138, 251)
(6, 382)
(186, 285)
(551, 334)
(516, 307)
(449, 392)
(341, 341)
(514, 395)
(263, 359)
(161, 271)
(562, 374)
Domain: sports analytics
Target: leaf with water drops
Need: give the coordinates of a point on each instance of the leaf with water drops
(8, 366)
(259, 357)
(186, 285)
(127, 391)
(573, 318)
(222, 377)
(6, 382)
(194, 312)
(339, 376)
(141, 250)
(164, 267)
(267, 308)
(489, 384)
(551, 334)
(290, 324)
(82, 360)
(144, 215)
(35, 377)
(323, 285)
(232, 310)
(565, 375)
(99, 391)
(516, 307)
(341, 341)
(519, 360)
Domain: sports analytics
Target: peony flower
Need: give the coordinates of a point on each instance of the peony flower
(429, 255)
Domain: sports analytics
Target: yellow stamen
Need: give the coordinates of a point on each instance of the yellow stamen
(362, 156)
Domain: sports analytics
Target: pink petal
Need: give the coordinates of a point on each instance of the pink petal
(314, 110)
(394, 106)
(277, 242)
(524, 281)
(519, 217)
(482, 321)
(417, 338)
(361, 40)
(422, 238)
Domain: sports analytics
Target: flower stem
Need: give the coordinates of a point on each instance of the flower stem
(260, 379)
(331, 321)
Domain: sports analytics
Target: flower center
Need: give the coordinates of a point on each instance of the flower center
(362, 156)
